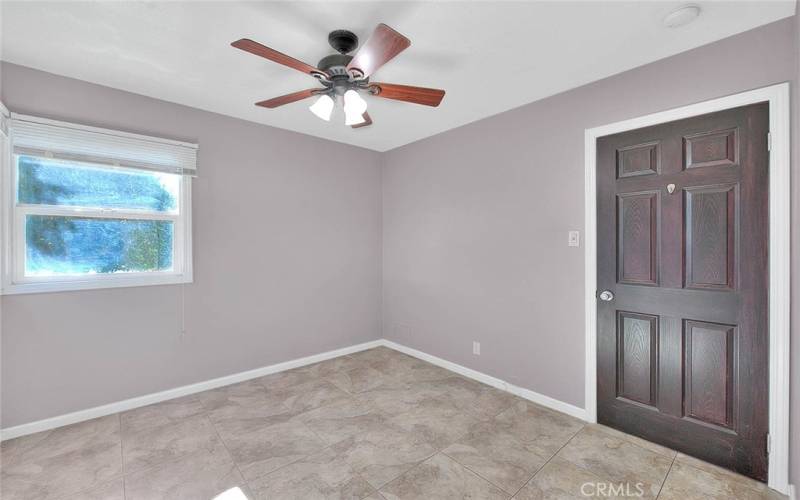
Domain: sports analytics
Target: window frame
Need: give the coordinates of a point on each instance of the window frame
(13, 249)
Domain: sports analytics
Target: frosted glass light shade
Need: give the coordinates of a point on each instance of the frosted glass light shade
(323, 107)
(354, 108)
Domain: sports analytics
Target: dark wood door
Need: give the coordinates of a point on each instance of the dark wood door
(682, 230)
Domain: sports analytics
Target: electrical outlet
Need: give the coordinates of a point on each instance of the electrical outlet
(476, 348)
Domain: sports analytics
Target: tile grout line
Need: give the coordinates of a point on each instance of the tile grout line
(224, 445)
(455, 441)
(579, 465)
(407, 471)
(326, 447)
(122, 454)
(549, 460)
(287, 465)
(479, 475)
(389, 416)
(664, 481)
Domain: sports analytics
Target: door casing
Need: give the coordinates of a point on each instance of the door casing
(779, 255)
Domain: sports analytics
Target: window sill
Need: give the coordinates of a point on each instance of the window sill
(94, 284)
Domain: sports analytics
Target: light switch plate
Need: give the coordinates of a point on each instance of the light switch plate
(574, 239)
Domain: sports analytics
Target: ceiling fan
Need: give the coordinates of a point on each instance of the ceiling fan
(343, 76)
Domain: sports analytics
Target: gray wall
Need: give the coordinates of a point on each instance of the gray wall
(286, 258)
(475, 220)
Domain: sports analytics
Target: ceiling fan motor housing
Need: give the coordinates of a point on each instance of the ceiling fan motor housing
(343, 41)
(335, 65)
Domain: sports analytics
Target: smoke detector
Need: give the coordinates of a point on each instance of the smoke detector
(682, 16)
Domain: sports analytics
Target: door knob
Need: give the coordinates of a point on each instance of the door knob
(606, 296)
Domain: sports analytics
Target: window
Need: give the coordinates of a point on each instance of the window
(93, 208)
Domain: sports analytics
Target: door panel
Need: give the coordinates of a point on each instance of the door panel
(712, 149)
(638, 238)
(710, 372)
(682, 347)
(636, 369)
(711, 219)
(640, 159)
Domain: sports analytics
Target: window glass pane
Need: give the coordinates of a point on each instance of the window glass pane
(58, 245)
(51, 182)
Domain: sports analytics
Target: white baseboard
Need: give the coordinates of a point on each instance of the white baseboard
(129, 404)
(148, 399)
(541, 399)
(157, 397)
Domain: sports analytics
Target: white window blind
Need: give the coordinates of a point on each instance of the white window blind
(84, 207)
(42, 137)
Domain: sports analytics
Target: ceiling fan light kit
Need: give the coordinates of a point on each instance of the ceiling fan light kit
(343, 76)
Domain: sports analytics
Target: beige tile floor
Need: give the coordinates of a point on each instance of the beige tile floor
(373, 425)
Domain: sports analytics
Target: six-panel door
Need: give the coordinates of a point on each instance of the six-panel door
(682, 244)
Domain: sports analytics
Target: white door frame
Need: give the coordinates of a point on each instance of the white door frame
(779, 256)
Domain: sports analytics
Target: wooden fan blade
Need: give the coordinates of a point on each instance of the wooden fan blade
(286, 99)
(380, 48)
(367, 121)
(273, 55)
(407, 93)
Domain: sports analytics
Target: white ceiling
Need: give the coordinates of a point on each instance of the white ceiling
(489, 56)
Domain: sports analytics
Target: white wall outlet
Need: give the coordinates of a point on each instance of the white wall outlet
(574, 239)
(476, 348)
